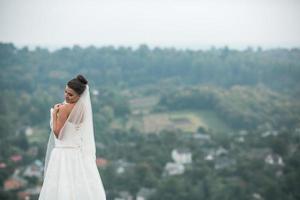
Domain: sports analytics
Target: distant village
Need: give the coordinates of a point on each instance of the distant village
(27, 180)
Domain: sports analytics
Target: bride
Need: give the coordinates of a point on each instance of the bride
(70, 171)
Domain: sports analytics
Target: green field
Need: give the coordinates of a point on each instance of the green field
(146, 121)
(188, 121)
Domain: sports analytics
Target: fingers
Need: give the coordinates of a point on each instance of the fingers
(56, 106)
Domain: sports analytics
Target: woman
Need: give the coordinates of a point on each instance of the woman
(70, 171)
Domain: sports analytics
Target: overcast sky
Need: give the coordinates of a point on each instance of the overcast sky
(178, 23)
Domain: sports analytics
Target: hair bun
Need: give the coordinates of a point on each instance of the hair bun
(82, 79)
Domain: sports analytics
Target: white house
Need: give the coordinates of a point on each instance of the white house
(240, 139)
(182, 156)
(28, 131)
(124, 195)
(144, 193)
(174, 168)
(121, 166)
(209, 157)
(221, 151)
(274, 160)
(268, 133)
(35, 169)
(256, 196)
(212, 154)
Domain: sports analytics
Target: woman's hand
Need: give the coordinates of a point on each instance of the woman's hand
(56, 107)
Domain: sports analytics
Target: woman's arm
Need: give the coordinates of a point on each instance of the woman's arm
(59, 119)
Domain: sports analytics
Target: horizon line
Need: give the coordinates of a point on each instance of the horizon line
(195, 47)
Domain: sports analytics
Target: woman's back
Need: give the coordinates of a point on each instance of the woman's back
(70, 164)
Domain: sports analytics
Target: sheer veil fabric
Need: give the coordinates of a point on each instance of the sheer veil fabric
(79, 126)
(82, 117)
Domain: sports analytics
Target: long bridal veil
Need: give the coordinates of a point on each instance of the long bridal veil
(81, 117)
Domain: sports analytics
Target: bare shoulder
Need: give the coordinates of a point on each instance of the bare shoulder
(66, 109)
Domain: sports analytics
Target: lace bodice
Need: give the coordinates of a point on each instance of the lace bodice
(70, 136)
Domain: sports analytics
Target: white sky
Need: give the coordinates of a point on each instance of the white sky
(179, 23)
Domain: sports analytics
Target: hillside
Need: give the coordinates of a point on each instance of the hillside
(174, 124)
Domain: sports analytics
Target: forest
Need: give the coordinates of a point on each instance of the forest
(235, 112)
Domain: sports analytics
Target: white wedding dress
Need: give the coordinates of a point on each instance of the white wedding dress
(71, 174)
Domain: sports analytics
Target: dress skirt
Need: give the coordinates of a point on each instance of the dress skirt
(70, 176)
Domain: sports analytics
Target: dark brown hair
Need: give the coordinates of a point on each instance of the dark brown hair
(78, 84)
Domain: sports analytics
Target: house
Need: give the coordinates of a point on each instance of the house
(33, 151)
(240, 139)
(2, 165)
(23, 195)
(221, 151)
(144, 193)
(224, 162)
(28, 131)
(209, 157)
(121, 166)
(101, 162)
(201, 136)
(269, 133)
(16, 157)
(182, 156)
(212, 154)
(256, 196)
(209, 153)
(124, 195)
(34, 170)
(273, 159)
(30, 193)
(174, 168)
(14, 183)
